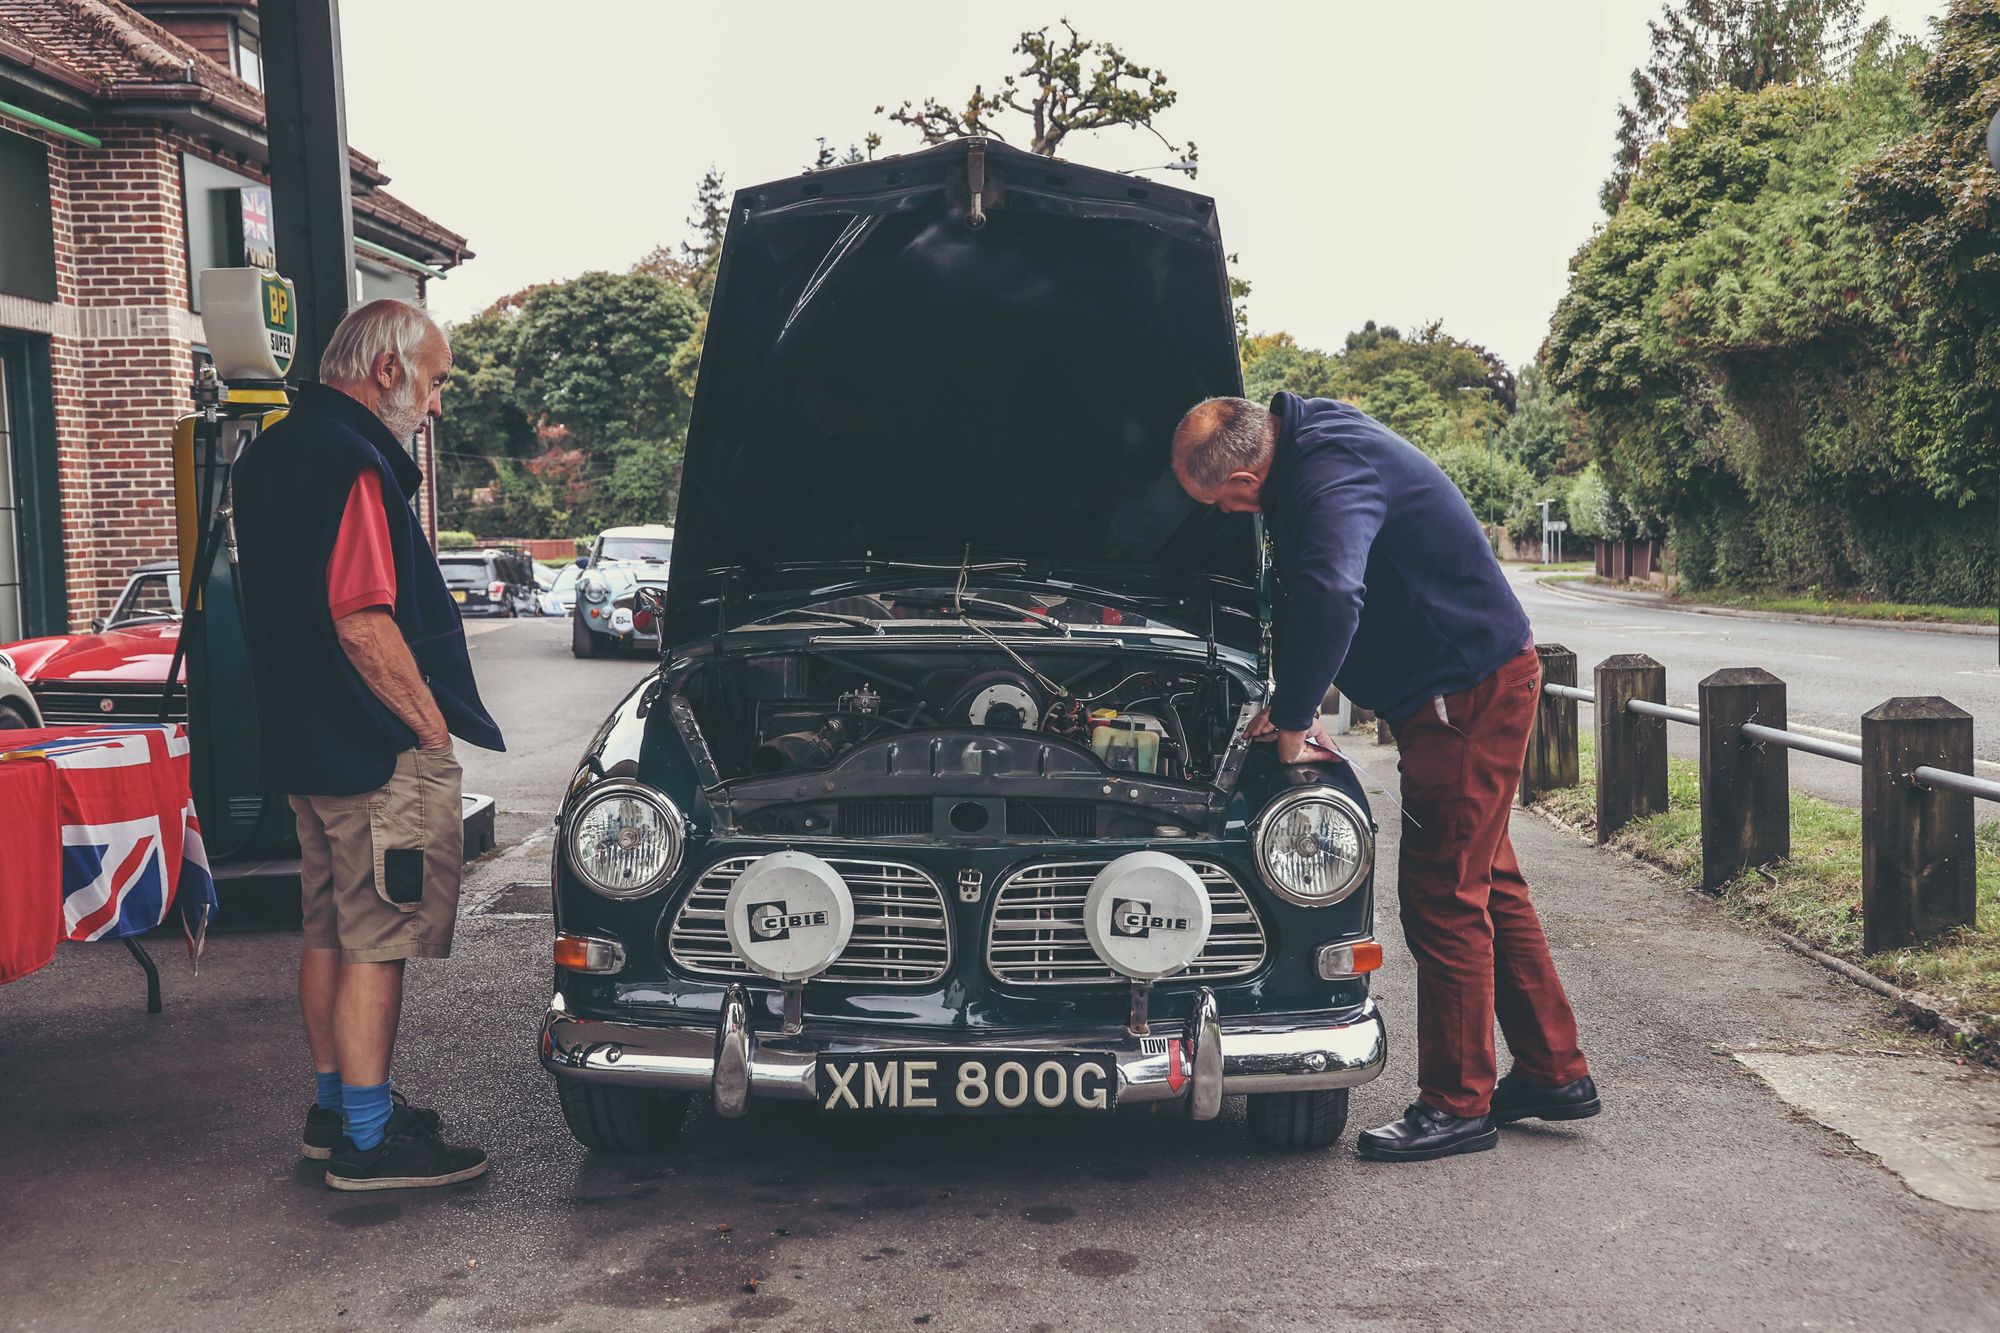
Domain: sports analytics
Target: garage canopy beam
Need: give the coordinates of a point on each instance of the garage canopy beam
(307, 123)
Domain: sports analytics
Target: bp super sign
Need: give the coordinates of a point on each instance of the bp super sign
(251, 317)
(281, 319)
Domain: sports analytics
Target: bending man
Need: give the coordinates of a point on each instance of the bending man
(1394, 595)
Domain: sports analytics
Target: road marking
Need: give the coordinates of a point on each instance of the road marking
(1853, 739)
(1988, 672)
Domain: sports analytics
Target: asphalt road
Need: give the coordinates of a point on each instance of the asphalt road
(1832, 673)
(147, 1175)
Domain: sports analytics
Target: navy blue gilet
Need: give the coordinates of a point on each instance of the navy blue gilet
(323, 731)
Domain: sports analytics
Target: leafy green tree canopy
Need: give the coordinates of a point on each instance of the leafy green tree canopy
(1703, 46)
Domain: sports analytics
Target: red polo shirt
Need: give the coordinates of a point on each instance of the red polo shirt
(361, 573)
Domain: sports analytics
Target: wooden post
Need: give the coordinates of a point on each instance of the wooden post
(1631, 750)
(1552, 760)
(1746, 798)
(1916, 842)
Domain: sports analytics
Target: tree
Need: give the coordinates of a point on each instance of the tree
(1933, 204)
(693, 262)
(1702, 46)
(829, 156)
(1070, 85)
(1545, 433)
(595, 355)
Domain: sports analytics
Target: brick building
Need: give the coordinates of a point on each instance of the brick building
(132, 156)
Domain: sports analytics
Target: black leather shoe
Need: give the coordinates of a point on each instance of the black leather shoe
(1517, 1099)
(1425, 1132)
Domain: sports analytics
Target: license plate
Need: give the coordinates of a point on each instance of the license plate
(968, 1083)
(458, 594)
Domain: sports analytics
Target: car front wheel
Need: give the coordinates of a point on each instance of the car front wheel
(13, 719)
(621, 1120)
(1299, 1119)
(582, 643)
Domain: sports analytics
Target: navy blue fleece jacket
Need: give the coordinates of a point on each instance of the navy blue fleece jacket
(1391, 590)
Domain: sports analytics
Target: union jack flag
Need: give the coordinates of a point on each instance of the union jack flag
(131, 845)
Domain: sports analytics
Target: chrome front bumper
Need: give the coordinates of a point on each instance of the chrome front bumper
(1217, 1057)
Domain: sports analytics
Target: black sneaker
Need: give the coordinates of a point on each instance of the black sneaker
(403, 1162)
(323, 1127)
(1517, 1099)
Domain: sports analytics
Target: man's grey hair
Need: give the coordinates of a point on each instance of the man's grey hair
(1220, 436)
(367, 331)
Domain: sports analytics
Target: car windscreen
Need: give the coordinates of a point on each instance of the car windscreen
(465, 573)
(148, 597)
(565, 579)
(649, 549)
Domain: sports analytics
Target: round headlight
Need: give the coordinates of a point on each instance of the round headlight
(626, 840)
(594, 589)
(6, 662)
(1314, 846)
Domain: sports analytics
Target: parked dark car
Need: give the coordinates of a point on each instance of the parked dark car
(491, 582)
(942, 800)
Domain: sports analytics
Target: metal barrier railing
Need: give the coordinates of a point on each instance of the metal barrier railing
(1915, 758)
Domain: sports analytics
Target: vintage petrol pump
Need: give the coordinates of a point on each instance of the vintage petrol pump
(251, 318)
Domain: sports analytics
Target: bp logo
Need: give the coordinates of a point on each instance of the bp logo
(281, 319)
(771, 921)
(1134, 918)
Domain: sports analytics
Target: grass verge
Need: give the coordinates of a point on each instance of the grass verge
(1816, 894)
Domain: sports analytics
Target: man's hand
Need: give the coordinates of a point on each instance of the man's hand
(1260, 728)
(376, 648)
(1304, 747)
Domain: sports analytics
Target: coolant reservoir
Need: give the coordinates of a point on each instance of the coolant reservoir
(1127, 744)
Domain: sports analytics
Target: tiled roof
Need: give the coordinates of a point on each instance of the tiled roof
(113, 53)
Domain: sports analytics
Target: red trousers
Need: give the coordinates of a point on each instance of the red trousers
(1466, 916)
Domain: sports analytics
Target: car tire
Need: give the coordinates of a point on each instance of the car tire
(1299, 1119)
(13, 719)
(621, 1120)
(582, 643)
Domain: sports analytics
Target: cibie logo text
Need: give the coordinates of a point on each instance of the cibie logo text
(1137, 919)
(772, 921)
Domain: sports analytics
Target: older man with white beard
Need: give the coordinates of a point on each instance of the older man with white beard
(362, 678)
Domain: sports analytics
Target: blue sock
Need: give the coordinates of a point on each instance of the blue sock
(364, 1111)
(326, 1090)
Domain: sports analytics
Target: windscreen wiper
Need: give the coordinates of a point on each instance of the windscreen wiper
(862, 621)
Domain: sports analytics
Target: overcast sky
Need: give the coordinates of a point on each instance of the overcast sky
(1369, 161)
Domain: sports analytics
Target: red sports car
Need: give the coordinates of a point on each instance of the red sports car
(115, 672)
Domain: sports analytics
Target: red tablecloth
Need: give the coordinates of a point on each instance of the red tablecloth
(30, 867)
(111, 806)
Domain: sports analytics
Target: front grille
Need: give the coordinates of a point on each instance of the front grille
(902, 933)
(1037, 939)
(68, 704)
(882, 819)
(1050, 819)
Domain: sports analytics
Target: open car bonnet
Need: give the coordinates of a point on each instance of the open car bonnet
(965, 354)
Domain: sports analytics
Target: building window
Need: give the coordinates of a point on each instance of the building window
(27, 227)
(249, 52)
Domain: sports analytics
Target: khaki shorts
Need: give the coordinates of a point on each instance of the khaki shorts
(379, 872)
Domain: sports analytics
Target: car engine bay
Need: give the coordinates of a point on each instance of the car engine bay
(965, 740)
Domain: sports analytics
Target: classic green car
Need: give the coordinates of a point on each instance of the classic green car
(942, 800)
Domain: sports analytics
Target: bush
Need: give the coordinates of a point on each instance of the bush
(452, 539)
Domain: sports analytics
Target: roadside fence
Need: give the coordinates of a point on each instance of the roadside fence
(1917, 785)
